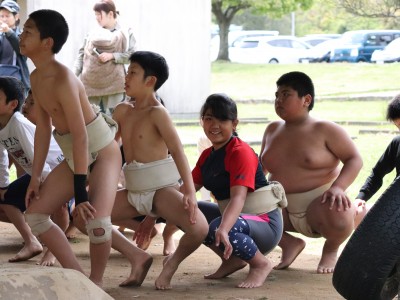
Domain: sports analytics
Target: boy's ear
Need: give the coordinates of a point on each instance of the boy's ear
(13, 103)
(151, 81)
(48, 42)
(307, 100)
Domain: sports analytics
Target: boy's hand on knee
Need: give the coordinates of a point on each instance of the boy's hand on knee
(335, 195)
(32, 192)
(190, 204)
(85, 211)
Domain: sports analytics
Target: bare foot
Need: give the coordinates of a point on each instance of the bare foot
(290, 251)
(70, 233)
(163, 282)
(48, 259)
(138, 272)
(327, 263)
(257, 275)
(169, 246)
(27, 252)
(227, 267)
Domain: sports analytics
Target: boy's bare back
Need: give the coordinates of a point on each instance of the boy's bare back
(146, 131)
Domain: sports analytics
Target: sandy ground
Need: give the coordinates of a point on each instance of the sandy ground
(300, 281)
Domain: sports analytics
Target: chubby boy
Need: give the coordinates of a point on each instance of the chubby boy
(315, 161)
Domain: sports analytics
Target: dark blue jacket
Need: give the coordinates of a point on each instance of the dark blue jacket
(13, 38)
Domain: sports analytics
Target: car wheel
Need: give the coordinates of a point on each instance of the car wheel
(368, 266)
(273, 61)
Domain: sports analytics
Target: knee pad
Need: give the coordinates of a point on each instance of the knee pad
(39, 223)
(103, 223)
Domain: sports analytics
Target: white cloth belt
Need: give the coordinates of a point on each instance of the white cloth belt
(101, 131)
(145, 177)
(262, 200)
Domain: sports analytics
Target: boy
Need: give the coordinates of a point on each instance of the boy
(147, 135)
(304, 155)
(16, 140)
(86, 139)
(62, 216)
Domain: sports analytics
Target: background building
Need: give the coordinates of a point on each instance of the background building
(177, 29)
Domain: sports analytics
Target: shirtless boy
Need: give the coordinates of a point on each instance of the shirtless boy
(304, 155)
(85, 138)
(151, 175)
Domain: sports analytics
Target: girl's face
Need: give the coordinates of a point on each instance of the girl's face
(28, 109)
(105, 20)
(217, 131)
(8, 17)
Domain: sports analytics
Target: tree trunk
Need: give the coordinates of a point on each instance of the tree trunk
(223, 53)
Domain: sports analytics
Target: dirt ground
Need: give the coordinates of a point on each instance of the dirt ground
(300, 281)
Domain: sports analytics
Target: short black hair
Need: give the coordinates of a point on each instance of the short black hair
(13, 89)
(300, 82)
(393, 109)
(51, 24)
(221, 106)
(153, 64)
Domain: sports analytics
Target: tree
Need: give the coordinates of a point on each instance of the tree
(386, 10)
(374, 9)
(225, 10)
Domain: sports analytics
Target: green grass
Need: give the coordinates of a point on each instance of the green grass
(329, 110)
(242, 81)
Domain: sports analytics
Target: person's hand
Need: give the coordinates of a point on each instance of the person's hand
(105, 57)
(4, 27)
(221, 236)
(32, 192)
(85, 211)
(335, 195)
(359, 202)
(190, 205)
(142, 234)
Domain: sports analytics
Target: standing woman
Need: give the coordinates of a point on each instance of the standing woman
(12, 62)
(246, 222)
(101, 59)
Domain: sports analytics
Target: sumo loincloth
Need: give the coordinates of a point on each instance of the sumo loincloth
(101, 132)
(297, 209)
(144, 179)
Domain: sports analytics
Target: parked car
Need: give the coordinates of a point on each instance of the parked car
(391, 53)
(235, 37)
(273, 49)
(358, 45)
(320, 52)
(318, 38)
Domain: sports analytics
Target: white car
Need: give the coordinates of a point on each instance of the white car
(274, 49)
(391, 53)
(321, 52)
(235, 37)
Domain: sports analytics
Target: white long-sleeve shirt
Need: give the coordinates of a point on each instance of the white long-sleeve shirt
(16, 139)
